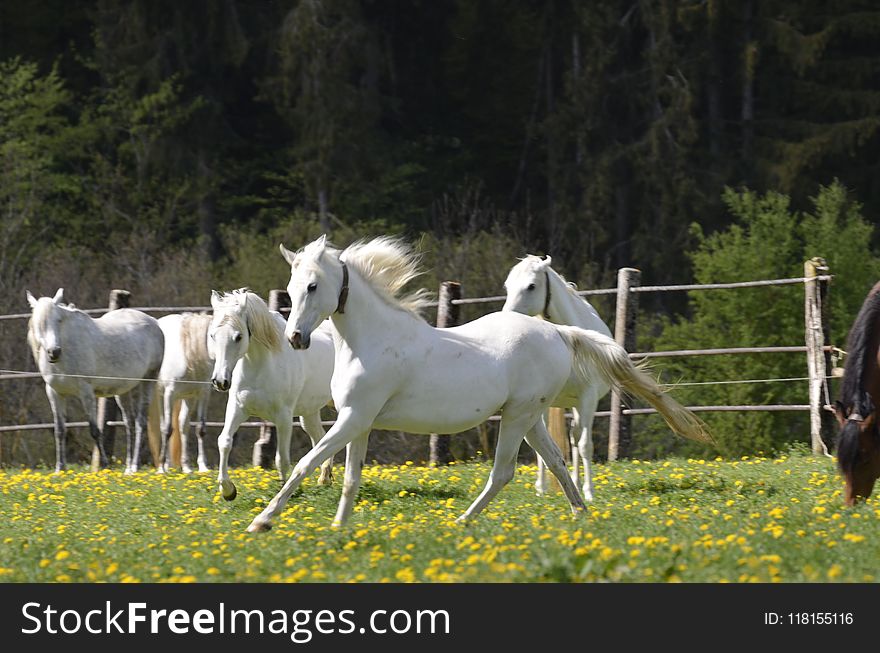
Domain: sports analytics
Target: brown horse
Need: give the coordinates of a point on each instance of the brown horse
(858, 444)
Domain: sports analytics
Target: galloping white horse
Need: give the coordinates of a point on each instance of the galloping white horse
(117, 355)
(534, 288)
(395, 371)
(265, 377)
(185, 376)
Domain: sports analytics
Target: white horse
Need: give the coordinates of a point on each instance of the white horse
(266, 378)
(118, 354)
(395, 371)
(534, 288)
(185, 376)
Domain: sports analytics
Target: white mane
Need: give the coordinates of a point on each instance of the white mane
(246, 311)
(388, 264)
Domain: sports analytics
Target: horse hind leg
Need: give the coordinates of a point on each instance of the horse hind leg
(510, 437)
(183, 429)
(539, 439)
(166, 427)
(90, 406)
(131, 441)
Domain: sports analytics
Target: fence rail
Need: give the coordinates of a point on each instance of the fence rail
(817, 347)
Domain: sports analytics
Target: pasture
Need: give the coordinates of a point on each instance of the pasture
(757, 519)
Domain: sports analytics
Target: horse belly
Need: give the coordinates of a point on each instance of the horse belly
(421, 408)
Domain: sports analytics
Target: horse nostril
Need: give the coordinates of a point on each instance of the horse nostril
(54, 353)
(296, 339)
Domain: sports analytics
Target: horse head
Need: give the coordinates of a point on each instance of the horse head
(318, 287)
(45, 324)
(228, 336)
(528, 286)
(858, 447)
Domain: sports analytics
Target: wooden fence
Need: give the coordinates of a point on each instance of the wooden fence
(817, 349)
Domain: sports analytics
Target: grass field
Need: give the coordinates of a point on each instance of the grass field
(751, 520)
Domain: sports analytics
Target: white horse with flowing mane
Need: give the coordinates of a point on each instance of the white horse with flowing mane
(395, 371)
(534, 288)
(117, 355)
(265, 377)
(185, 377)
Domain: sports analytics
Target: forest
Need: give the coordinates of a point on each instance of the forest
(168, 147)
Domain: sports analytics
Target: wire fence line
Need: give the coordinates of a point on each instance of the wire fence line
(807, 281)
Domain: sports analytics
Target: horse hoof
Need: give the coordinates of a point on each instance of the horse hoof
(325, 481)
(231, 495)
(259, 527)
(187, 470)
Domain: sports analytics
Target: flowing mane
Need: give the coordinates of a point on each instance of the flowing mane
(852, 391)
(388, 264)
(246, 311)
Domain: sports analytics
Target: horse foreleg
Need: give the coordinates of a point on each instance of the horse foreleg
(235, 415)
(539, 439)
(56, 402)
(510, 437)
(183, 429)
(202, 410)
(311, 424)
(348, 426)
(355, 454)
(284, 431)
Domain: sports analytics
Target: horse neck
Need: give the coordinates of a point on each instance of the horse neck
(568, 308)
(368, 318)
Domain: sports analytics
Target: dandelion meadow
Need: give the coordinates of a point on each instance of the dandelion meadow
(757, 519)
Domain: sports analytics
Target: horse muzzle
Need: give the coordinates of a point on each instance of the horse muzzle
(220, 384)
(53, 354)
(299, 341)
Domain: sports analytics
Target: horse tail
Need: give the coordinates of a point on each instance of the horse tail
(591, 349)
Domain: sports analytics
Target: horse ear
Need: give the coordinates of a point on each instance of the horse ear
(31, 299)
(59, 296)
(321, 245)
(547, 260)
(215, 298)
(287, 254)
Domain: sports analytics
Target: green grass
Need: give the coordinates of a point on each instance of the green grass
(757, 519)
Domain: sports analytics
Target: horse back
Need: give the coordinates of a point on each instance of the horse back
(131, 340)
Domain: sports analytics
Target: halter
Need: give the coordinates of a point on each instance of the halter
(343, 292)
(546, 312)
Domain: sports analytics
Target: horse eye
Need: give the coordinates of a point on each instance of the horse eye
(237, 337)
(531, 286)
(312, 287)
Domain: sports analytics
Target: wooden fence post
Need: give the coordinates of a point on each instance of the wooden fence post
(818, 360)
(267, 443)
(619, 428)
(447, 316)
(108, 411)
